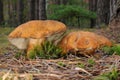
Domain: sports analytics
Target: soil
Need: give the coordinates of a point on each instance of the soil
(70, 68)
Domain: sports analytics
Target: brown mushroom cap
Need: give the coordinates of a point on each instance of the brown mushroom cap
(83, 41)
(37, 29)
(34, 31)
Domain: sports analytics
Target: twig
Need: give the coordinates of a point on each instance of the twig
(81, 69)
(6, 75)
(40, 74)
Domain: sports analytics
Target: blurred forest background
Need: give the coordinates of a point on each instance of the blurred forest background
(74, 13)
(99, 16)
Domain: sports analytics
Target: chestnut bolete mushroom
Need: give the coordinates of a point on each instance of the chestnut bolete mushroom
(83, 41)
(32, 33)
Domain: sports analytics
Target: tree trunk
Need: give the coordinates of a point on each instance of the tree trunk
(20, 11)
(12, 13)
(36, 9)
(114, 24)
(93, 7)
(1, 11)
(64, 2)
(60, 2)
(32, 9)
(114, 9)
(103, 12)
(42, 9)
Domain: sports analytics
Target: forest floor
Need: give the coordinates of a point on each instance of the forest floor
(71, 68)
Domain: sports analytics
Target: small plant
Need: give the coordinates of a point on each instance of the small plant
(112, 75)
(81, 65)
(91, 62)
(101, 78)
(19, 54)
(61, 64)
(32, 53)
(107, 50)
(112, 50)
(46, 51)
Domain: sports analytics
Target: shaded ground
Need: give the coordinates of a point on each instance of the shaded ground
(71, 68)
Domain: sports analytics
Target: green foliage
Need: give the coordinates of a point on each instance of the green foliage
(46, 51)
(70, 11)
(112, 75)
(71, 14)
(112, 50)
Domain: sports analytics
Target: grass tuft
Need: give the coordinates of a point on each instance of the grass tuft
(112, 50)
(46, 51)
(111, 75)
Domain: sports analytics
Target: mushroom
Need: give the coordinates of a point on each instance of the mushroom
(84, 42)
(34, 32)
